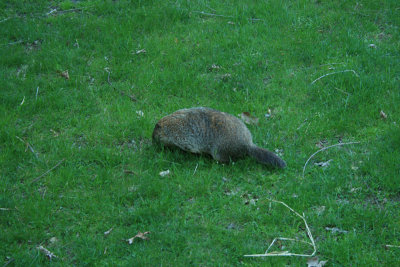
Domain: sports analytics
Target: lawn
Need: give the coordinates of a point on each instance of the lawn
(84, 82)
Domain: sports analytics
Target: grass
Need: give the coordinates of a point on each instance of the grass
(267, 54)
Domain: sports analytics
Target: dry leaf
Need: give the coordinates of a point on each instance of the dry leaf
(65, 74)
(314, 262)
(55, 134)
(323, 164)
(231, 23)
(46, 252)
(139, 235)
(226, 76)
(108, 231)
(140, 113)
(372, 46)
(133, 98)
(53, 240)
(232, 226)
(319, 210)
(383, 115)
(269, 113)
(353, 190)
(248, 119)
(141, 51)
(164, 173)
(322, 143)
(215, 67)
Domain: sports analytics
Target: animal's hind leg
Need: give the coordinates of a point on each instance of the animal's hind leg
(221, 156)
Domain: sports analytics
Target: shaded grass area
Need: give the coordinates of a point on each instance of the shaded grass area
(234, 57)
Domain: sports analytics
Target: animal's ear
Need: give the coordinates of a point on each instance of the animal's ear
(157, 126)
(155, 131)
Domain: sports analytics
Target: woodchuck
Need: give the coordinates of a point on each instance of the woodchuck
(219, 134)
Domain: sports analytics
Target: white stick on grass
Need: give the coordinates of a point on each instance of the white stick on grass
(336, 72)
(325, 148)
(195, 169)
(46, 252)
(212, 14)
(392, 246)
(286, 253)
(37, 92)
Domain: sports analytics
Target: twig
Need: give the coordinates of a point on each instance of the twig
(28, 145)
(325, 148)
(4, 209)
(132, 97)
(286, 253)
(336, 72)
(212, 14)
(44, 174)
(46, 252)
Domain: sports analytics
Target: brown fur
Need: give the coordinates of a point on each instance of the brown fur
(219, 134)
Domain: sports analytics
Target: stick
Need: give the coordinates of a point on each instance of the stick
(28, 145)
(334, 73)
(55, 166)
(46, 252)
(63, 11)
(325, 148)
(392, 246)
(132, 97)
(286, 253)
(211, 14)
(195, 169)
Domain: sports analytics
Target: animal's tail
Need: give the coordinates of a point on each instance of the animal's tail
(266, 157)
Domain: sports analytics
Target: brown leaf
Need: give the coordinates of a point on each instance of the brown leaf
(141, 51)
(248, 118)
(226, 76)
(65, 74)
(108, 231)
(322, 163)
(139, 235)
(214, 67)
(383, 115)
(55, 134)
(269, 113)
(165, 173)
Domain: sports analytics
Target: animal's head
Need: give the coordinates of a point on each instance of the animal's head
(167, 130)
